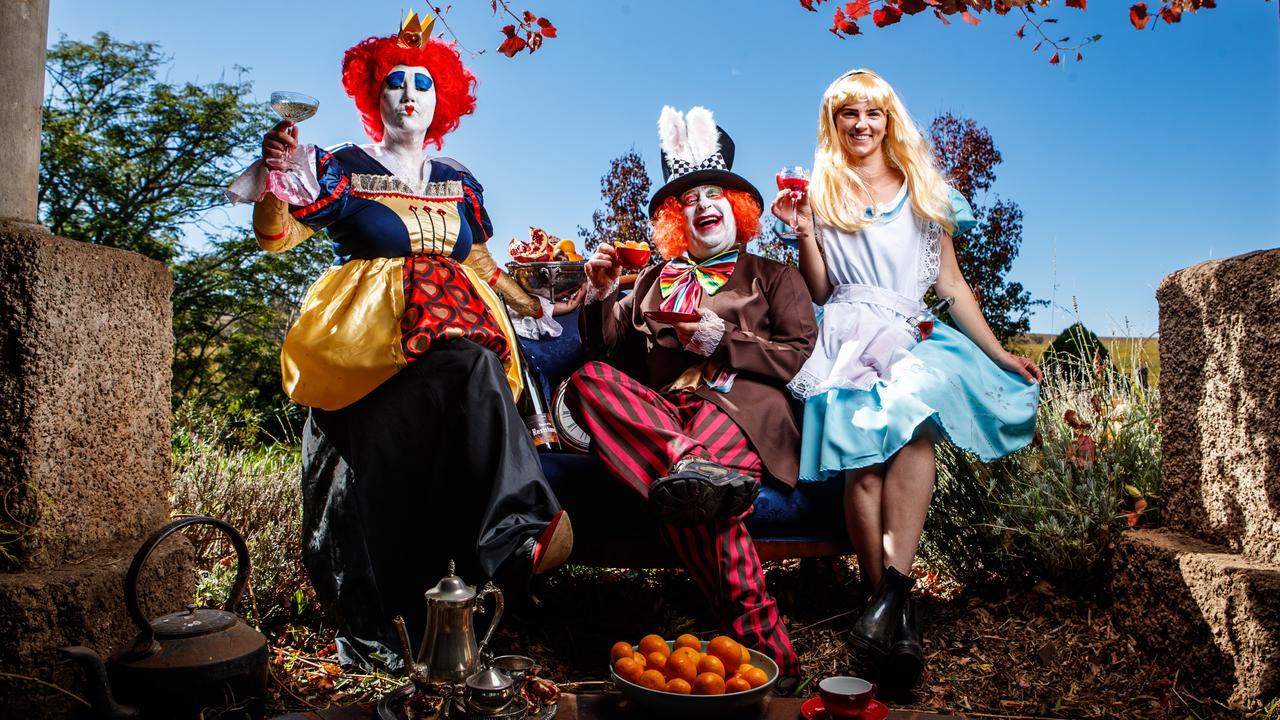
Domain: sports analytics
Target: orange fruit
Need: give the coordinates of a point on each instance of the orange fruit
(687, 651)
(726, 650)
(628, 669)
(652, 644)
(681, 666)
(743, 668)
(746, 656)
(640, 659)
(656, 661)
(756, 677)
(688, 641)
(653, 680)
(620, 649)
(737, 683)
(680, 686)
(708, 684)
(711, 664)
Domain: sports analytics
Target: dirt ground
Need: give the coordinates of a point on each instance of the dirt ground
(1030, 653)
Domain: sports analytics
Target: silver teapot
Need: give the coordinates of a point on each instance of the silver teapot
(449, 652)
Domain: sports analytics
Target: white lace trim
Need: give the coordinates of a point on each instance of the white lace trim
(805, 384)
(532, 328)
(385, 184)
(594, 295)
(930, 256)
(707, 337)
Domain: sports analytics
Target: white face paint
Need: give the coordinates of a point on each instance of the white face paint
(408, 101)
(708, 221)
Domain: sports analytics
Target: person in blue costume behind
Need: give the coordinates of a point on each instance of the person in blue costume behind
(875, 232)
(413, 453)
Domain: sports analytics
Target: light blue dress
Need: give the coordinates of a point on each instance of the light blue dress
(871, 383)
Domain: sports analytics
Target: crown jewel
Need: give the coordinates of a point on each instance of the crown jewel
(415, 31)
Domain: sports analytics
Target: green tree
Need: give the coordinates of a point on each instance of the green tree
(132, 161)
(625, 216)
(127, 160)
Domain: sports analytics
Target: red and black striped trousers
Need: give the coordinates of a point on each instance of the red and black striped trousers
(639, 434)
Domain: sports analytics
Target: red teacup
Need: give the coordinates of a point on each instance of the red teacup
(844, 696)
(633, 258)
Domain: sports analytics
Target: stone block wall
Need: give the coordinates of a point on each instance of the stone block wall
(87, 349)
(1207, 586)
(1220, 371)
(85, 356)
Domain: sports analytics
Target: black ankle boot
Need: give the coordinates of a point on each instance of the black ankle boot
(906, 656)
(874, 631)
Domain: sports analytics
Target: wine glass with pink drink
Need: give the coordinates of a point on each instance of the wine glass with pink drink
(795, 179)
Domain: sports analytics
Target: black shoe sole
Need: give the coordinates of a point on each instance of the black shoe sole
(687, 499)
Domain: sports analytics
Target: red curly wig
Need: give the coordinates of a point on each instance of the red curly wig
(668, 223)
(366, 65)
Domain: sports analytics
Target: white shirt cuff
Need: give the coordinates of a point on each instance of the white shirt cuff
(534, 328)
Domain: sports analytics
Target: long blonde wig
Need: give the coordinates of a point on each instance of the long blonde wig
(838, 196)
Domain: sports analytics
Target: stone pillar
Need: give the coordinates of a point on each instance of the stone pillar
(86, 345)
(1206, 587)
(24, 28)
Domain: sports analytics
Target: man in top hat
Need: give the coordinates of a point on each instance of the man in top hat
(690, 408)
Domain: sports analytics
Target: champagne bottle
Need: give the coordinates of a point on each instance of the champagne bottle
(537, 414)
(534, 408)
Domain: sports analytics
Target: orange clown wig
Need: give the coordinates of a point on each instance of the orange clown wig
(366, 65)
(671, 237)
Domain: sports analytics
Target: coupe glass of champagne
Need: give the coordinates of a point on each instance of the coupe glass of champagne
(294, 107)
(795, 179)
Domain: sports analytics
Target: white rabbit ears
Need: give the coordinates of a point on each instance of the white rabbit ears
(688, 137)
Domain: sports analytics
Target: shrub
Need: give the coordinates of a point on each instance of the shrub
(221, 469)
(1053, 509)
(1075, 353)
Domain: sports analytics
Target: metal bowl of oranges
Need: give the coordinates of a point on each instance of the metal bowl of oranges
(687, 676)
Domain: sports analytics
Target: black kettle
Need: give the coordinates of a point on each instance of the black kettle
(186, 664)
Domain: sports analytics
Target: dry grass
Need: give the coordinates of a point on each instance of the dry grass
(1127, 353)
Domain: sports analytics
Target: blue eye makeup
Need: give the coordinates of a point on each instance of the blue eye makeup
(421, 81)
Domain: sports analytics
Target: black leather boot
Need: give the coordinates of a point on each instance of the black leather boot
(874, 631)
(906, 656)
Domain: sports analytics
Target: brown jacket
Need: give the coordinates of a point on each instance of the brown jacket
(769, 331)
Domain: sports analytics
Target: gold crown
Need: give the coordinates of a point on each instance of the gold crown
(414, 32)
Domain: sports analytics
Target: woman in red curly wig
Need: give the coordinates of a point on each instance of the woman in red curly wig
(399, 340)
(716, 333)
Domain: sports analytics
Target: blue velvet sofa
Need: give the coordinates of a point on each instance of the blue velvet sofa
(612, 525)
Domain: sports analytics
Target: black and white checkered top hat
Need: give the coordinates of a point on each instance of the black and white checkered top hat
(695, 151)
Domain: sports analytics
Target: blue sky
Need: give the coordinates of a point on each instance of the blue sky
(1157, 152)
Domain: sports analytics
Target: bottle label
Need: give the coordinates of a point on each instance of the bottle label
(542, 430)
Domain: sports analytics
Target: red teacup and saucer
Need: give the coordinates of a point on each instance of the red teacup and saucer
(813, 709)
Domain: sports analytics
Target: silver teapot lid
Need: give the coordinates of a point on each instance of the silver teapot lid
(451, 589)
(490, 680)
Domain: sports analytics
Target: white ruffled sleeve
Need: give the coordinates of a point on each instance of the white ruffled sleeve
(300, 186)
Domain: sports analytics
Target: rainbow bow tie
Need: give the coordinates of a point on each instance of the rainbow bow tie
(682, 281)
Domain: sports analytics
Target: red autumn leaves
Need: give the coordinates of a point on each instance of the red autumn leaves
(1170, 11)
(534, 29)
(847, 15)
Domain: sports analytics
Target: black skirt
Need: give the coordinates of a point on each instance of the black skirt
(433, 465)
